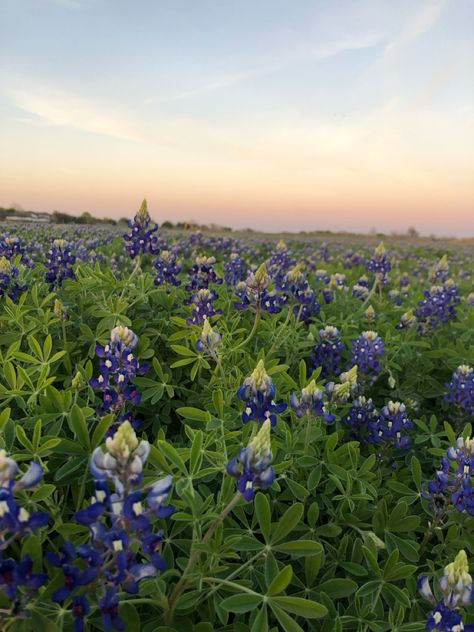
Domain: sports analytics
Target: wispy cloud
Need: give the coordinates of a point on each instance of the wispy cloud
(58, 108)
(417, 26)
(301, 53)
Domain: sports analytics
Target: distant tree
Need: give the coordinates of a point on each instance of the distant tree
(167, 224)
(412, 232)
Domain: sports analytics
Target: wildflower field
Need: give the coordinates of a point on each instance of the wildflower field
(207, 432)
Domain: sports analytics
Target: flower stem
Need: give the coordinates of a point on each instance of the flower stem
(253, 331)
(307, 437)
(194, 557)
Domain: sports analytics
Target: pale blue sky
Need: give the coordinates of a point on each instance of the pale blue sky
(272, 113)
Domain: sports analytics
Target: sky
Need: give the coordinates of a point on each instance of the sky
(273, 114)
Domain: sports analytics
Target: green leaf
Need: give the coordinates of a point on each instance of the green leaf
(263, 513)
(195, 414)
(241, 603)
(172, 455)
(416, 472)
(79, 426)
(287, 522)
(302, 607)
(299, 548)
(101, 429)
(287, 623)
(196, 456)
(338, 587)
(4, 417)
(281, 581)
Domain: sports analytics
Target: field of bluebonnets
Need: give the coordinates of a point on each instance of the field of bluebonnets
(202, 432)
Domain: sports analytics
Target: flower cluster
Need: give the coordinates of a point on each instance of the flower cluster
(457, 590)
(11, 247)
(279, 263)
(438, 306)
(17, 579)
(142, 238)
(167, 269)
(367, 350)
(202, 274)
(258, 392)
(307, 303)
(8, 286)
(235, 269)
(440, 271)
(59, 261)
(340, 393)
(312, 401)
(209, 340)
(253, 291)
(203, 306)
(393, 423)
(379, 264)
(461, 390)
(124, 546)
(253, 465)
(454, 486)
(362, 420)
(118, 368)
(327, 354)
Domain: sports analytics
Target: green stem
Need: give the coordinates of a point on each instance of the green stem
(194, 557)
(253, 331)
(136, 268)
(307, 437)
(67, 359)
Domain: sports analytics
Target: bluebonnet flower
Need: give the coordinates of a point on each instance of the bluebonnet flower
(393, 423)
(15, 521)
(142, 238)
(461, 390)
(352, 259)
(11, 247)
(348, 385)
(307, 303)
(19, 582)
(254, 292)
(379, 265)
(322, 276)
(124, 547)
(438, 306)
(258, 392)
(395, 296)
(311, 402)
(367, 350)
(59, 261)
(235, 269)
(337, 282)
(118, 368)
(253, 465)
(440, 271)
(17, 579)
(370, 314)
(209, 340)
(167, 269)
(454, 486)
(203, 306)
(407, 320)
(362, 420)
(279, 263)
(360, 291)
(457, 591)
(8, 286)
(202, 274)
(327, 354)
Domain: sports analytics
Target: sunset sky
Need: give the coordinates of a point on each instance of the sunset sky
(274, 114)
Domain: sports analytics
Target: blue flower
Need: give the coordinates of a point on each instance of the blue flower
(167, 269)
(393, 424)
(367, 351)
(235, 269)
(461, 390)
(258, 392)
(8, 286)
(253, 465)
(109, 608)
(59, 261)
(142, 238)
(311, 402)
(327, 354)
